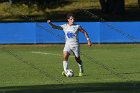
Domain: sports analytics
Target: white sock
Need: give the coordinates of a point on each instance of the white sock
(65, 65)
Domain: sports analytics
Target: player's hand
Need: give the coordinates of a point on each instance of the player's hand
(89, 43)
(48, 21)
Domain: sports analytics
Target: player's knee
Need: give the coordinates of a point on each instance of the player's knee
(65, 57)
(78, 59)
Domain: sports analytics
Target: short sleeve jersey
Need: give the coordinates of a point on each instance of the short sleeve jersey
(71, 33)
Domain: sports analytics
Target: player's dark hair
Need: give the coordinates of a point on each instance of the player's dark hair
(69, 15)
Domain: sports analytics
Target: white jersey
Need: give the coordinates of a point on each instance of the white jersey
(71, 33)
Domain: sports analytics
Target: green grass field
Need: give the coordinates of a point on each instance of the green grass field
(109, 68)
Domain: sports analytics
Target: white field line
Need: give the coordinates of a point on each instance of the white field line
(44, 53)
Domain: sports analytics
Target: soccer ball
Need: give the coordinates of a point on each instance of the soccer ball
(69, 73)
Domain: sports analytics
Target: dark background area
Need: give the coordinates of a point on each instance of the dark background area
(109, 10)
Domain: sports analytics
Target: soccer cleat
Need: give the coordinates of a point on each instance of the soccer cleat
(63, 73)
(80, 74)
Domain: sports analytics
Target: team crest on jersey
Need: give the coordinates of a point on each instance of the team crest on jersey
(70, 35)
(74, 29)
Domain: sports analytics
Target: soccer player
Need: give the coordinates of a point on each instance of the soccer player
(72, 42)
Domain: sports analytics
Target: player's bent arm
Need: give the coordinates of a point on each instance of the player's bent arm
(54, 26)
(86, 35)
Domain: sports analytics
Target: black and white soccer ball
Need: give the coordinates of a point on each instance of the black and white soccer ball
(69, 73)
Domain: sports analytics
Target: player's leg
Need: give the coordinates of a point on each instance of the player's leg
(80, 64)
(66, 53)
(65, 60)
(76, 51)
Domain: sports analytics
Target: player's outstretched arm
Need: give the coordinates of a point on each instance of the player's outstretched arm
(54, 26)
(86, 35)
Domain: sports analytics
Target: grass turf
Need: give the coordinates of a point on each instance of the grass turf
(37, 69)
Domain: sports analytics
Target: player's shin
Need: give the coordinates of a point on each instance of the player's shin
(65, 65)
(80, 64)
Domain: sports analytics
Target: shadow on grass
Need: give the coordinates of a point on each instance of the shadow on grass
(125, 87)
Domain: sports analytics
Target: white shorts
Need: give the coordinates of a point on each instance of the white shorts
(72, 48)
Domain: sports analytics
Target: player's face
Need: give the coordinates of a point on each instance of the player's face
(71, 20)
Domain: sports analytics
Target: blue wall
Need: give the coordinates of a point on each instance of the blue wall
(17, 33)
(99, 32)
